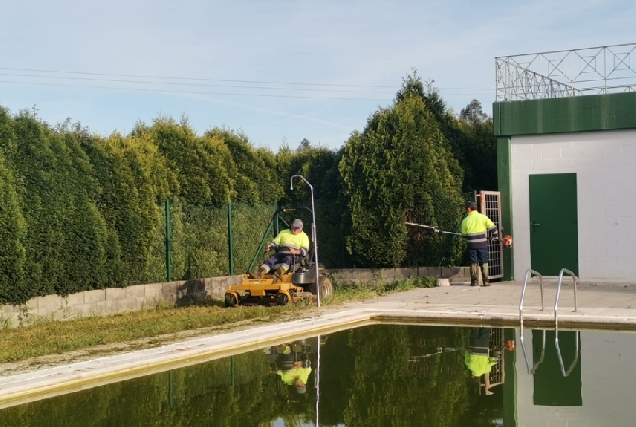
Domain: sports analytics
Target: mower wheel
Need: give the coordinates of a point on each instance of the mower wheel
(230, 300)
(326, 288)
(282, 299)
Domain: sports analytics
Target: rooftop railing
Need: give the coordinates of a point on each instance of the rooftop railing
(557, 74)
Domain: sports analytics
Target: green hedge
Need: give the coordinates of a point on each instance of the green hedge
(79, 211)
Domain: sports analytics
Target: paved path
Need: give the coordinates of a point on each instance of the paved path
(606, 305)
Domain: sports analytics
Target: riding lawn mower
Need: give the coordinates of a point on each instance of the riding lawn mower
(296, 284)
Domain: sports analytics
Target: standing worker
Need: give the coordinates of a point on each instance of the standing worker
(475, 228)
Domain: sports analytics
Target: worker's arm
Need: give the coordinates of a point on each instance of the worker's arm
(491, 227)
(304, 246)
(275, 243)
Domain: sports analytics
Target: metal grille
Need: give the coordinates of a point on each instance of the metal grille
(497, 373)
(490, 205)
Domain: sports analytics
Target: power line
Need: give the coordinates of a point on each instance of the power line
(146, 82)
(193, 92)
(189, 78)
(141, 76)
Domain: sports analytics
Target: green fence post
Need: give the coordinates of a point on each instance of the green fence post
(230, 238)
(168, 241)
(170, 389)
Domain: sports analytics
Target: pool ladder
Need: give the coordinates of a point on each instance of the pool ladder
(528, 276)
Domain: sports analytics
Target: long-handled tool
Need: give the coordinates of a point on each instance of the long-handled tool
(433, 228)
(507, 240)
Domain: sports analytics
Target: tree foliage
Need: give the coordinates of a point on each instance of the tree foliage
(394, 170)
(80, 211)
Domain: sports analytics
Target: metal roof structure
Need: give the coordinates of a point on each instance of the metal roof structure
(557, 74)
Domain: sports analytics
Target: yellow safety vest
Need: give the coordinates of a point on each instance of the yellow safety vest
(296, 241)
(475, 228)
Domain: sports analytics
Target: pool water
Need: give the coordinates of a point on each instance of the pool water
(382, 375)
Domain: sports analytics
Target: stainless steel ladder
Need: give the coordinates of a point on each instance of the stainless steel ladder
(558, 293)
(529, 274)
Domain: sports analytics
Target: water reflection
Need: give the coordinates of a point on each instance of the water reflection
(385, 375)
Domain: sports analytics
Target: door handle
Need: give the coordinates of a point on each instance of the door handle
(535, 225)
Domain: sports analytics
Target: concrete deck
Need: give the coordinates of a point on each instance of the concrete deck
(600, 305)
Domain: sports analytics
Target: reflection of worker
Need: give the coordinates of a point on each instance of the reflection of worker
(475, 228)
(295, 242)
(476, 356)
(297, 376)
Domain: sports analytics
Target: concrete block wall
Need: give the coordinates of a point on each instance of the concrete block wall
(113, 300)
(363, 275)
(605, 164)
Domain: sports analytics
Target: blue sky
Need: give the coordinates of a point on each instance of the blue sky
(280, 71)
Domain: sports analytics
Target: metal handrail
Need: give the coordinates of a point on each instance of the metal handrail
(529, 273)
(558, 349)
(558, 293)
(523, 348)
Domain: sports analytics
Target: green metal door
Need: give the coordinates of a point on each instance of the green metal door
(554, 242)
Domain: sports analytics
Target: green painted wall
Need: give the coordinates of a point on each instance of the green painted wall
(505, 188)
(560, 115)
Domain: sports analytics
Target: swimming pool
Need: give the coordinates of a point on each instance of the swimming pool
(380, 375)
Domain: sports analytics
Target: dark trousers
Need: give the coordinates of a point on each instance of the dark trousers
(282, 259)
(478, 255)
(479, 340)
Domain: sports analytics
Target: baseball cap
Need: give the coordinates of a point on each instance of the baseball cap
(297, 223)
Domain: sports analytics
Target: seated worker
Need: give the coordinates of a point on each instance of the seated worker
(295, 241)
(296, 376)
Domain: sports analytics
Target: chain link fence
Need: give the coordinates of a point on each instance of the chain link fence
(200, 238)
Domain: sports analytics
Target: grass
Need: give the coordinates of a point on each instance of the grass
(56, 337)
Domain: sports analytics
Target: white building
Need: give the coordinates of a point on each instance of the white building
(567, 162)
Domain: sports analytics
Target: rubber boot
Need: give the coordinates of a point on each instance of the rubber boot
(278, 274)
(484, 275)
(474, 275)
(263, 269)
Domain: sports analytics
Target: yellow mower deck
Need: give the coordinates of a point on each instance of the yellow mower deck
(281, 291)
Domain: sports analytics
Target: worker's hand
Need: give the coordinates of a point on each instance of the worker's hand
(295, 251)
(268, 248)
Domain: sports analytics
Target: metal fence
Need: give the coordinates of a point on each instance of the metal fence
(194, 241)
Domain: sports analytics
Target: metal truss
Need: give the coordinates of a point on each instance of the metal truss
(590, 71)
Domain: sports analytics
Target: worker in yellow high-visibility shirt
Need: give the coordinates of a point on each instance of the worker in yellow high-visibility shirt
(475, 228)
(293, 242)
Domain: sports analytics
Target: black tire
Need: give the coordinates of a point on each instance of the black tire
(282, 299)
(230, 300)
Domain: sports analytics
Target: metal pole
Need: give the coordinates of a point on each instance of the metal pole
(313, 231)
(168, 243)
(230, 239)
(318, 387)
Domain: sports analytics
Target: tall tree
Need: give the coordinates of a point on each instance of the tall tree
(480, 147)
(398, 166)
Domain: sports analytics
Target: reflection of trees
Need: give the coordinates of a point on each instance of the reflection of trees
(383, 375)
(225, 392)
(371, 382)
